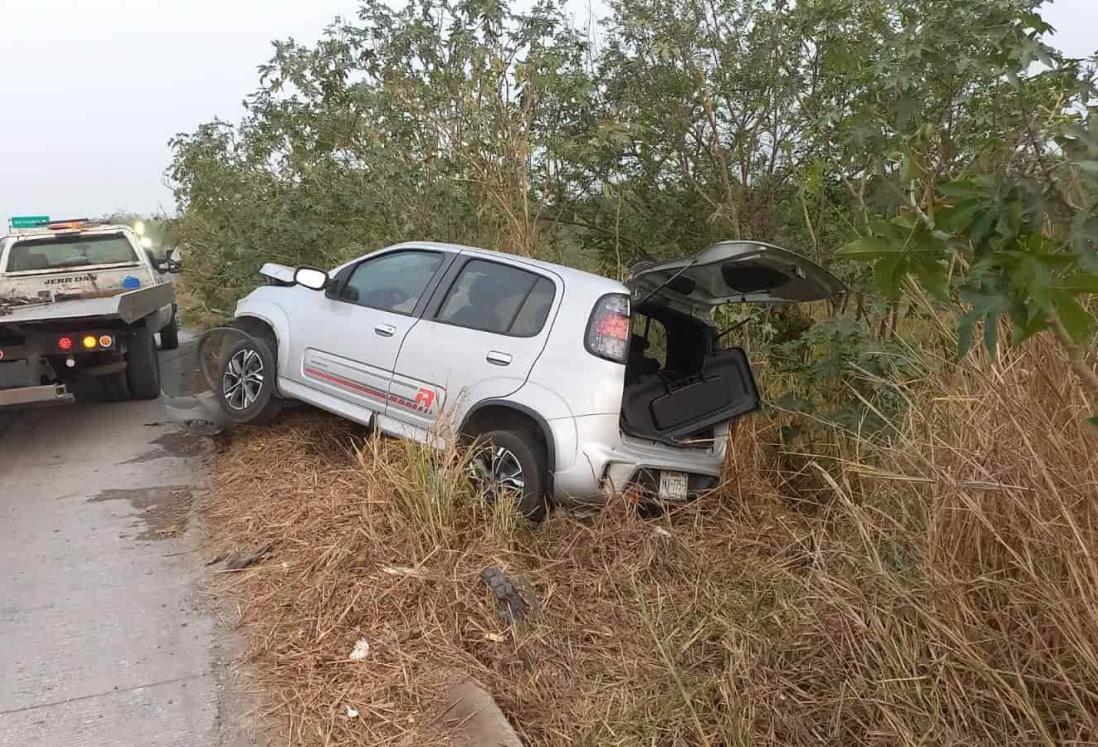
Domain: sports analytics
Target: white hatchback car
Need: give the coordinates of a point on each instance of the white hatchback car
(580, 384)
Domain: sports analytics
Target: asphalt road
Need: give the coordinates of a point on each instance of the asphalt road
(104, 639)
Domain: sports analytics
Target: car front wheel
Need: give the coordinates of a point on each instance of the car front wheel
(247, 382)
(508, 465)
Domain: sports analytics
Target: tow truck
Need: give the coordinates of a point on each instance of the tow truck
(80, 303)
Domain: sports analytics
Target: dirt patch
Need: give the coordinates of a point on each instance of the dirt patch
(382, 541)
(164, 510)
(180, 444)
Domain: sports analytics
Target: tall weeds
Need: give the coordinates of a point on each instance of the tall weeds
(938, 589)
(951, 590)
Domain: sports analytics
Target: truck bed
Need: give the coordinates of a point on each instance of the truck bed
(129, 306)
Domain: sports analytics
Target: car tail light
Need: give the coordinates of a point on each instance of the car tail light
(608, 329)
(89, 342)
(64, 343)
(105, 341)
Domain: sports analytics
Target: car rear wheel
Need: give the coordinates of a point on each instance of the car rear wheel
(510, 465)
(247, 382)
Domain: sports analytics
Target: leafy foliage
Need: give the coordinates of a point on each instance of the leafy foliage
(940, 141)
(843, 377)
(469, 120)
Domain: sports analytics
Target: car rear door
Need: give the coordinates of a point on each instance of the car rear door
(732, 272)
(345, 341)
(478, 340)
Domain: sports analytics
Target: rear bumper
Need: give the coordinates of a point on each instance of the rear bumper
(604, 461)
(48, 394)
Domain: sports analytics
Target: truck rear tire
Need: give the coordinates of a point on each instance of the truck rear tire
(169, 336)
(143, 369)
(115, 387)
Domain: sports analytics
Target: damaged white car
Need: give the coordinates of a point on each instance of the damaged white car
(579, 384)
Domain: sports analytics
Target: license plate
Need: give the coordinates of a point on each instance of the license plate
(673, 485)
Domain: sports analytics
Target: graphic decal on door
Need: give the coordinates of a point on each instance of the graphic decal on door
(370, 383)
(424, 398)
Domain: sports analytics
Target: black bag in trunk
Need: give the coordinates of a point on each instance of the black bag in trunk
(665, 408)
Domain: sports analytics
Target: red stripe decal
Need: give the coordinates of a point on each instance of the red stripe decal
(369, 391)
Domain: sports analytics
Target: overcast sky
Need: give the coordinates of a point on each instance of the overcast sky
(91, 90)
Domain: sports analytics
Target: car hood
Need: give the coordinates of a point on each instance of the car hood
(733, 272)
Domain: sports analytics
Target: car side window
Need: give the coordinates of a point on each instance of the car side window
(498, 298)
(531, 317)
(392, 282)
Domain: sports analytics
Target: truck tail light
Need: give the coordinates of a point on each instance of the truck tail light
(608, 329)
(85, 342)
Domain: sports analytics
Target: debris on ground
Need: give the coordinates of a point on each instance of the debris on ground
(470, 717)
(203, 428)
(242, 560)
(401, 570)
(361, 650)
(511, 599)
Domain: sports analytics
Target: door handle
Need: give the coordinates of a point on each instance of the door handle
(497, 358)
(385, 330)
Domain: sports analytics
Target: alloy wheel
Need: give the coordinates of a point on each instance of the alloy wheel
(497, 472)
(243, 379)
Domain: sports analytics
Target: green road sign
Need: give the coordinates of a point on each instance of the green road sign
(29, 221)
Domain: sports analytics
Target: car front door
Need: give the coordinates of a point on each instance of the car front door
(345, 341)
(478, 339)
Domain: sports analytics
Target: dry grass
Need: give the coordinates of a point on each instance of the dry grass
(944, 592)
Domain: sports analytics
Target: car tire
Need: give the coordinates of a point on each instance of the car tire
(169, 336)
(246, 382)
(143, 364)
(497, 455)
(115, 387)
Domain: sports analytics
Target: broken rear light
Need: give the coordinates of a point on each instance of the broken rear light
(608, 329)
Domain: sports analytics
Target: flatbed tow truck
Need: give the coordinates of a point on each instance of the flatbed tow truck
(80, 303)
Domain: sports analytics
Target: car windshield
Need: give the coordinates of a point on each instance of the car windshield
(69, 251)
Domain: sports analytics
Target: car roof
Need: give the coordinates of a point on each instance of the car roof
(563, 271)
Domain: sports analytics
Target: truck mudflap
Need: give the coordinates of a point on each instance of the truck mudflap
(47, 394)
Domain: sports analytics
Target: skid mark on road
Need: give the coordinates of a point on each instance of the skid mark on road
(104, 694)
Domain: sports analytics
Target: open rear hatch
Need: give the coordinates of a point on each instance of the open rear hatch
(679, 383)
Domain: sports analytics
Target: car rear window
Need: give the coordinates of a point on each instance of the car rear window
(498, 298)
(69, 251)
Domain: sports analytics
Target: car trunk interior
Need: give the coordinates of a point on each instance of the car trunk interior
(678, 382)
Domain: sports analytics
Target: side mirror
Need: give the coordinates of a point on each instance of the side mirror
(165, 265)
(311, 278)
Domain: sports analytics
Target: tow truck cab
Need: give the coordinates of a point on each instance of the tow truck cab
(79, 305)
